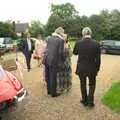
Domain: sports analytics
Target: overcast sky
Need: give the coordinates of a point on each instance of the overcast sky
(27, 10)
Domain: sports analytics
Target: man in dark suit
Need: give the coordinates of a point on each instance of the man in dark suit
(88, 65)
(27, 47)
(54, 59)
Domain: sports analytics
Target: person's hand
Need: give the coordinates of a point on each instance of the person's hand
(43, 82)
(66, 45)
(35, 52)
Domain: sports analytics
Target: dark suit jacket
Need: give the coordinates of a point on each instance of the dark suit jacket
(24, 47)
(55, 51)
(89, 59)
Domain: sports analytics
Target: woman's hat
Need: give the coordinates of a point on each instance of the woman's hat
(60, 31)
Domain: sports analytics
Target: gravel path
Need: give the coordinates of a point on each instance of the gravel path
(38, 106)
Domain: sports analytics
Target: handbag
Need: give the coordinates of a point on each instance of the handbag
(35, 56)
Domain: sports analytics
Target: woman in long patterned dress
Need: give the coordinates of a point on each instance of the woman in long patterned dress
(64, 75)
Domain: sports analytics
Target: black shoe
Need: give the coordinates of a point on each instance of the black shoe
(56, 95)
(28, 70)
(85, 103)
(48, 93)
(91, 105)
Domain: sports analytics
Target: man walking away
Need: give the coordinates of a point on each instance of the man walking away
(88, 65)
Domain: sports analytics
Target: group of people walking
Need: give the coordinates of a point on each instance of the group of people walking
(56, 55)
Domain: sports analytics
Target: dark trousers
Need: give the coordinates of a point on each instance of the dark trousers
(28, 59)
(92, 84)
(50, 76)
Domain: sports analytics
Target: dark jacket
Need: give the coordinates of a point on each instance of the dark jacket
(89, 59)
(24, 46)
(55, 51)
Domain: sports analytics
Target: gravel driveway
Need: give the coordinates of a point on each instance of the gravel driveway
(38, 106)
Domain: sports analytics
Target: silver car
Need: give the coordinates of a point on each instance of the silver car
(6, 42)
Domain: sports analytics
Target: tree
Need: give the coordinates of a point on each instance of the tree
(97, 26)
(115, 25)
(5, 29)
(115, 32)
(35, 28)
(61, 15)
(105, 14)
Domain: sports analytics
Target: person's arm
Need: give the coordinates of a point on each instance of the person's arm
(98, 57)
(21, 46)
(36, 45)
(61, 47)
(33, 45)
(75, 50)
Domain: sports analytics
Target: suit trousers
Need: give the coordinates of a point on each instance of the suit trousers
(28, 60)
(51, 79)
(92, 84)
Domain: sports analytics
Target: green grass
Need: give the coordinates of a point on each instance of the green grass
(112, 97)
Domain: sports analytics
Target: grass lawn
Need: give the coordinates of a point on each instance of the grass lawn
(112, 97)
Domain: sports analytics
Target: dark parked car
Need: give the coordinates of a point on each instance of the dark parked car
(110, 46)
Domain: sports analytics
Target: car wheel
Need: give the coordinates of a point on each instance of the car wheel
(103, 51)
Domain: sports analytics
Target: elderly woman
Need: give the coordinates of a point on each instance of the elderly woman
(64, 74)
(54, 60)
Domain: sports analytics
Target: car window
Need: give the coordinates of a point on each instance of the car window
(111, 43)
(117, 43)
(1, 40)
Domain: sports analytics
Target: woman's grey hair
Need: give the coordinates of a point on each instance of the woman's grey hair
(86, 31)
(60, 31)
